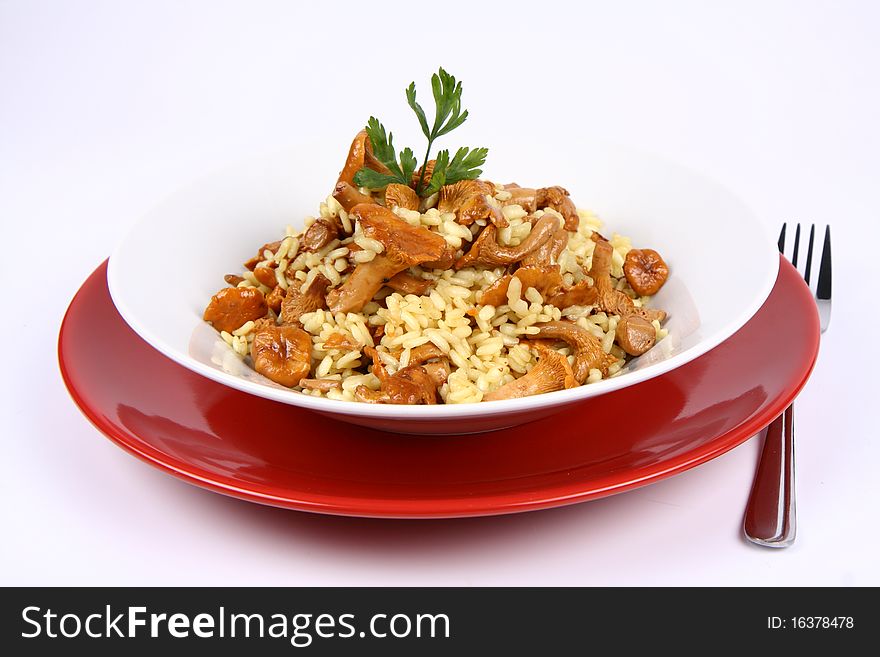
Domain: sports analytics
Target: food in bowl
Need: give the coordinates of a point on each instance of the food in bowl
(423, 285)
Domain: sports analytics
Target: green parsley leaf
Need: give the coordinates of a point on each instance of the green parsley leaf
(448, 115)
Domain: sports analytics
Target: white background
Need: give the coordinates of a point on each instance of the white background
(106, 107)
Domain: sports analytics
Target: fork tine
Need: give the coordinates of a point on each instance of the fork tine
(781, 242)
(797, 243)
(810, 254)
(823, 285)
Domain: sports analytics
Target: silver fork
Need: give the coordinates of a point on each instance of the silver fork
(771, 519)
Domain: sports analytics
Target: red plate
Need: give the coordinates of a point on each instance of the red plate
(233, 443)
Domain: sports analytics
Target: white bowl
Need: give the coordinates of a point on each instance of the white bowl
(722, 264)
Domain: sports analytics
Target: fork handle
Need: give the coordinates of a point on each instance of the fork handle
(770, 518)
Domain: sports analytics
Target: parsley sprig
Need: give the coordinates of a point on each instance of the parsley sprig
(448, 115)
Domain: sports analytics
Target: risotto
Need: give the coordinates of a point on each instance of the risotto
(473, 292)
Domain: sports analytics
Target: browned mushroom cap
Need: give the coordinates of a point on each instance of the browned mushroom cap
(558, 199)
(551, 373)
(401, 196)
(405, 246)
(271, 247)
(319, 234)
(445, 261)
(608, 299)
(582, 293)
(275, 298)
(348, 196)
(297, 303)
(424, 353)
(232, 307)
(487, 252)
(409, 385)
(233, 279)
(588, 353)
(526, 197)
(645, 270)
(635, 334)
(545, 279)
(282, 354)
(429, 171)
(407, 283)
(468, 200)
(360, 155)
(438, 371)
(548, 253)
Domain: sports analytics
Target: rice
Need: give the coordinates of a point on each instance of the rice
(486, 345)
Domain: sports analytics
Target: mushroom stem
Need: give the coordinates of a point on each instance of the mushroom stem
(551, 373)
(348, 196)
(487, 251)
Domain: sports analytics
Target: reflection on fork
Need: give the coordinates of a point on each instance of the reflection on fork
(771, 518)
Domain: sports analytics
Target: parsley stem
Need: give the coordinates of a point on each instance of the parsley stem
(424, 167)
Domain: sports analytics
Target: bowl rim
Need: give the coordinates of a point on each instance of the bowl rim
(447, 411)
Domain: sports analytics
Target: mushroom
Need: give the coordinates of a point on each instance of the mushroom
(609, 299)
(319, 234)
(487, 252)
(233, 279)
(275, 298)
(297, 303)
(282, 354)
(348, 196)
(360, 155)
(526, 197)
(635, 334)
(558, 199)
(401, 196)
(407, 283)
(445, 261)
(405, 247)
(587, 348)
(582, 293)
(271, 247)
(429, 171)
(232, 307)
(323, 385)
(469, 201)
(645, 270)
(551, 373)
(409, 385)
(545, 279)
(266, 275)
(548, 253)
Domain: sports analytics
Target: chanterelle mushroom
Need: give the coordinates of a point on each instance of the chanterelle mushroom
(645, 270)
(360, 155)
(558, 199)
(282, 354)
(635, 334)
(487, 252)
(297, 303)
(551, 373)
(233, 306)
(548, 253)
(545, 279)
(409, 385)
(401, 196)
(405, 246)
(526, 197)
(587, 348)
(348, 196)
(469, 201)
(608, 299)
